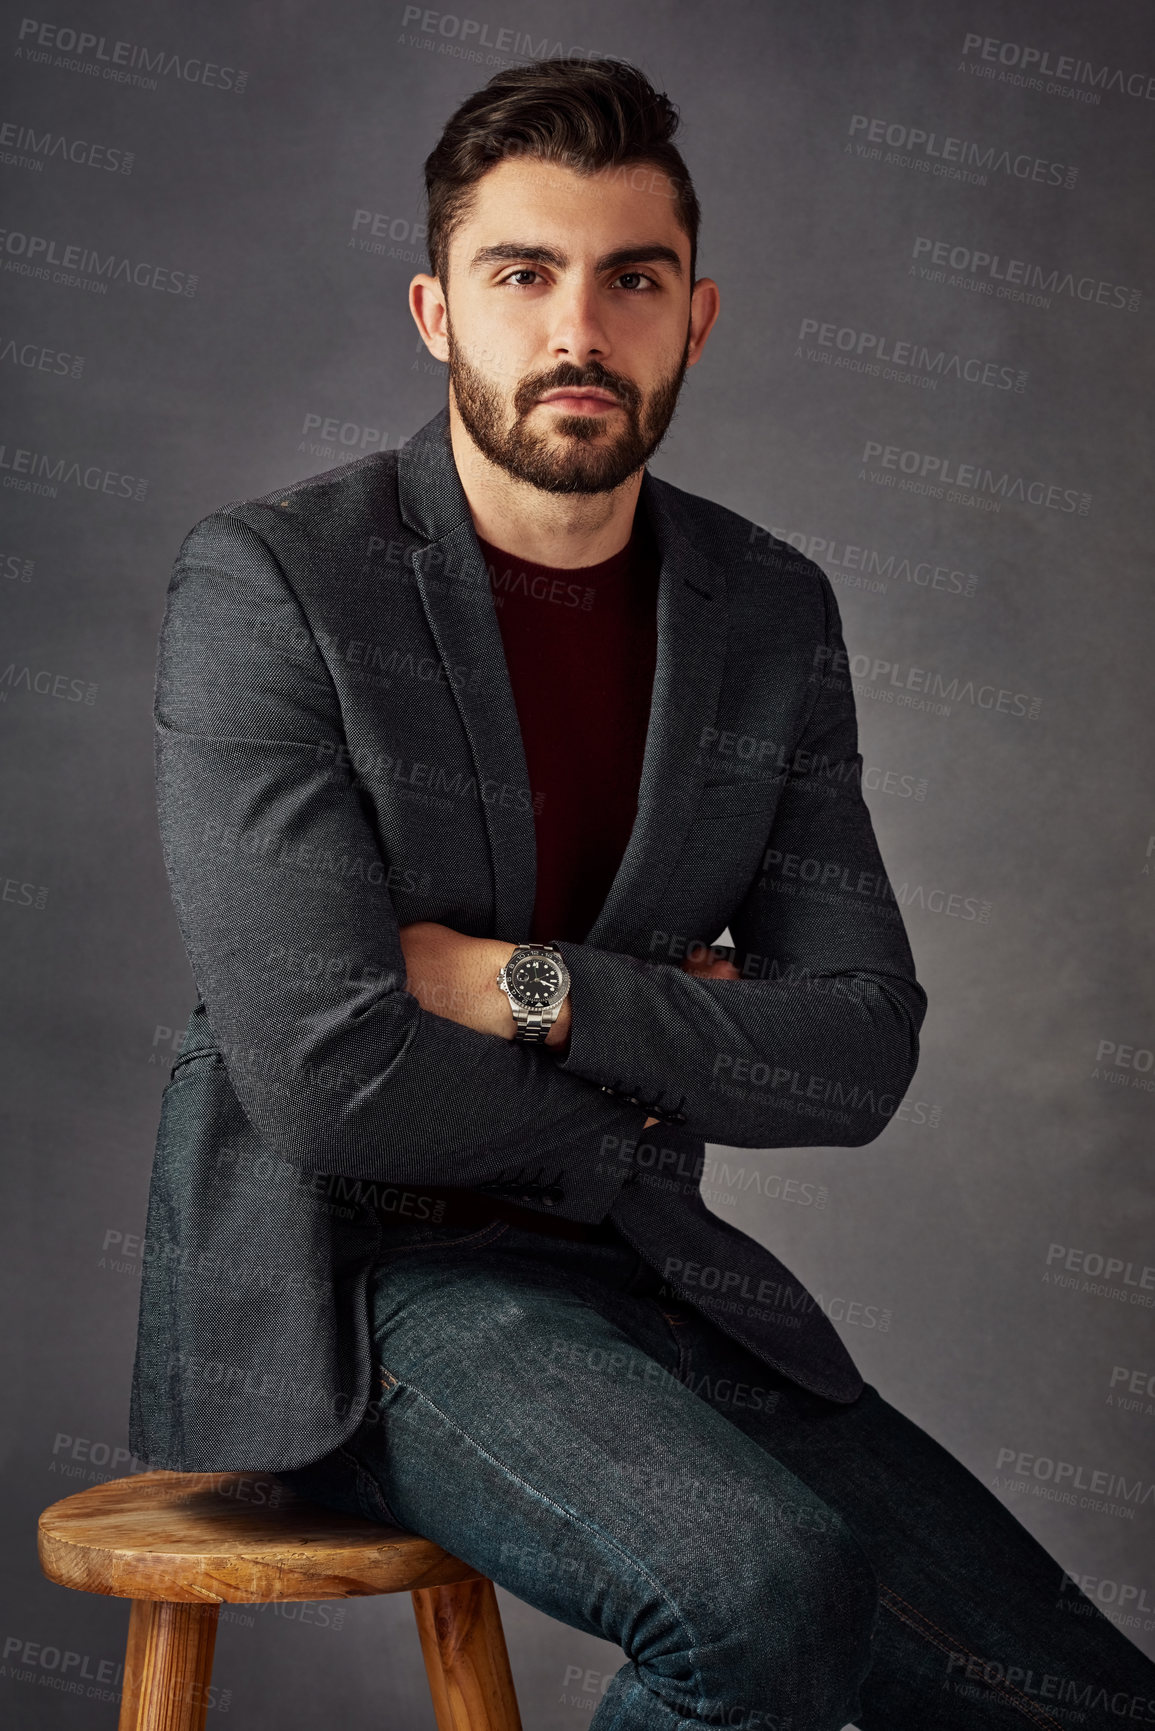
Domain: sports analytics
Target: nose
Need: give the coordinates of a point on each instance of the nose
(578, 331)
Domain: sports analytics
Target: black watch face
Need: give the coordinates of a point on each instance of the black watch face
(534, 981)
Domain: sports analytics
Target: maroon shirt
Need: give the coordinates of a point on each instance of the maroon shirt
(581, 647)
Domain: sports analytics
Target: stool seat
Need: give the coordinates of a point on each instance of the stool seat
(228, 1538)
(180, 1545)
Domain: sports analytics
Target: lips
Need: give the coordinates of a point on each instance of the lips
(589, 393)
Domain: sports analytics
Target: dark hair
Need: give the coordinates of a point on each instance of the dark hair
(584, 114)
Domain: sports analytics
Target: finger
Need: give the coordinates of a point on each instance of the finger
(713, 967)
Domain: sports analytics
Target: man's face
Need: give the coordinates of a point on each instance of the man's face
(569, 321)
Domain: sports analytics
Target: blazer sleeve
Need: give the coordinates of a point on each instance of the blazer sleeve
(818, 1041)
(281, 895)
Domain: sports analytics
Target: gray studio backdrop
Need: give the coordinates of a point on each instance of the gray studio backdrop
(934, 252)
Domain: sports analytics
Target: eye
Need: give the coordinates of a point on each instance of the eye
(522, 270)
(637, 282)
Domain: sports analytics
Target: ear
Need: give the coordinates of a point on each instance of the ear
(427, 304)
(704, 306)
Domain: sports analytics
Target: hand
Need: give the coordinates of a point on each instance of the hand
(704, 964)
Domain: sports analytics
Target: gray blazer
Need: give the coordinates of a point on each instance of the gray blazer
(338, 754)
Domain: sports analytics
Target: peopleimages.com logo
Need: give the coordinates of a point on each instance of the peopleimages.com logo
(1030, 66)
(902, 358)
(43, 44)
(964, 483)
(25, 147)
(44, 257)
(958, 158)
(1013, 278)
(883, 677)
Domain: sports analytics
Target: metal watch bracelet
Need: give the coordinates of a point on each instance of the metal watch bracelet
(532, 1025)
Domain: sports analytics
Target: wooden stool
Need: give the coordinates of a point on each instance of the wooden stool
(180, 1545)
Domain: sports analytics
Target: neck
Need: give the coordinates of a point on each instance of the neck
(561, 530)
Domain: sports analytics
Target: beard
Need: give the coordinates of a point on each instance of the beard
(578, 455)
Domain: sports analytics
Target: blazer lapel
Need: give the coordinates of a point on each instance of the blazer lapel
(692, 631)
(454, 586)
(692, 619)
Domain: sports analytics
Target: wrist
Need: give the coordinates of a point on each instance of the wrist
(497, 955)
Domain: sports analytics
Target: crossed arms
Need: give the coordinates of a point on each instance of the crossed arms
(453, 975)
(345, 1071)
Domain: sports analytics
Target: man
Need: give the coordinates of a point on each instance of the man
(452, 820)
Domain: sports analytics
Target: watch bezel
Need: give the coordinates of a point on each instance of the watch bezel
(556, 998)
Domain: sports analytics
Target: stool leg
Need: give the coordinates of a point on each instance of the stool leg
(168, 1666)
(465, 1657)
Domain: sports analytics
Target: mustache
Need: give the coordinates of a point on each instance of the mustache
(572, 377)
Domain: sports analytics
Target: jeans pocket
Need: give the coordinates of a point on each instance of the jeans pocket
(374, 1505)
(419, 1236)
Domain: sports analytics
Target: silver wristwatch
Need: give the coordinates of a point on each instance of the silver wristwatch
(536, 981)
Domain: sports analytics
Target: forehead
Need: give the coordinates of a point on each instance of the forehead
(546, 203)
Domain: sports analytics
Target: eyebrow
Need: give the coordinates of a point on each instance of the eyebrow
(648, 252)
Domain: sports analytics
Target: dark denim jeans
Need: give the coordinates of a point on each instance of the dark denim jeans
(767, 1559)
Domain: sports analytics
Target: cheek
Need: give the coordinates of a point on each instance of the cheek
(504, 349)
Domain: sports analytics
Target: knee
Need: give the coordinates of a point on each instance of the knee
(804, 1596)
(832, 1582)
(776, 1623)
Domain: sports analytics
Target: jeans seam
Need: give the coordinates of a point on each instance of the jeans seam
(915, 1621)
(373, 1497)
(601, 1538)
